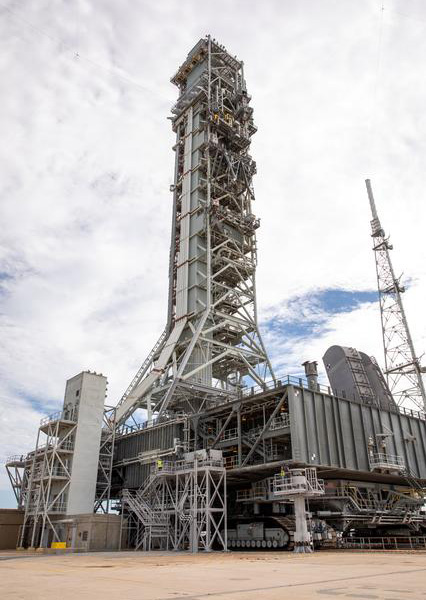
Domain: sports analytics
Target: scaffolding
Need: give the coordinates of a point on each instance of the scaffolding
(182, 506)
(50, 477)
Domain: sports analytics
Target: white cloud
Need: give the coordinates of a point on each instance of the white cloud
(86, 163)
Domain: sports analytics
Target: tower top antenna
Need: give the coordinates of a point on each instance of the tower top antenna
(402, 366)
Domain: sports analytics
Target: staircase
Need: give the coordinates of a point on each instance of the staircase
(413, 481)
(360, 503)
(249, 440)
(155, 527)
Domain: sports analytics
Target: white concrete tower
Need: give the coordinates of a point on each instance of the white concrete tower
(64, 464)
(89, 389)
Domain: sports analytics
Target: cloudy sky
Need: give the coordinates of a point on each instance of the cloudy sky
(86, 163)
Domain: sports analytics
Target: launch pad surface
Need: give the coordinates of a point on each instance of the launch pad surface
(227, 576)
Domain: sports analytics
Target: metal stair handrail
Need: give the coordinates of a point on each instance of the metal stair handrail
(142, 370)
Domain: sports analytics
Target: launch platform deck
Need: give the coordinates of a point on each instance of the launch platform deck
(227, 576)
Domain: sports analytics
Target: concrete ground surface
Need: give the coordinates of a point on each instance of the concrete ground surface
(230, 576)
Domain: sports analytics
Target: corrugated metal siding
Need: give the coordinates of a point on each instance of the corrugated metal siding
(153, 438)
(135, 475)
(334, 432)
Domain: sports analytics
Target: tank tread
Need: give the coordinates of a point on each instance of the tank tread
(289, 524)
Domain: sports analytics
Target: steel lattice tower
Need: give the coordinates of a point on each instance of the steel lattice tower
(211, 346)
(402, 367)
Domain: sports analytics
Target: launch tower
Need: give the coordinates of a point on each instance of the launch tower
(211, 345)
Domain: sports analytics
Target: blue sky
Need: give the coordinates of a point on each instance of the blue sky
(86, 165)
(311, 312)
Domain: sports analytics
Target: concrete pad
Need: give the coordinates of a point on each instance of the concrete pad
(227, 576)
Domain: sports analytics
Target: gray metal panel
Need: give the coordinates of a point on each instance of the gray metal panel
(135, 475)
(152, 438)
(334, 432)
(356, 376)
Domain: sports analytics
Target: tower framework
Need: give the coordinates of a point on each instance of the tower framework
(211, 346)
(181, 506)
(402, 366)
(50, 478)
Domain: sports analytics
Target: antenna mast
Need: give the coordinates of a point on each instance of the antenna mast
(402, 367)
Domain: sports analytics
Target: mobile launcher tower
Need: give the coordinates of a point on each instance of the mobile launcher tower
(229, 454)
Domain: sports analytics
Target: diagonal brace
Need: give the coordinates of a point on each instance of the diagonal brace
(265, 429)
(224, 426)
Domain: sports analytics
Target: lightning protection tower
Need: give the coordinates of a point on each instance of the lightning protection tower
(211, 346)
(402, 366)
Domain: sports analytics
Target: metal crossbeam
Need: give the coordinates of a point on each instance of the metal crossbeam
(265, 429)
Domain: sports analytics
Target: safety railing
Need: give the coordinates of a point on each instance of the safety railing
(66, 445)
(279, 422)
(231, 462)
(254, 432)
(229, 434)
(60, 415)
(302, 382)
(16, 458)
(58, 446)
(298, 481)
(280, 382)
(46, 473)
(170, 467)
(58, 507)
(244, 495)
(380, 460)
(272, 453)
(383, 543)
(361, 502)
(257, 492)
(418, 414)
(59, 472)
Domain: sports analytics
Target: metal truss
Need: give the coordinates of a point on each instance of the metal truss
(18, 471)
(211, 346)
(182, 506)
(106, 457)
(402, 366)
(50, 477)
